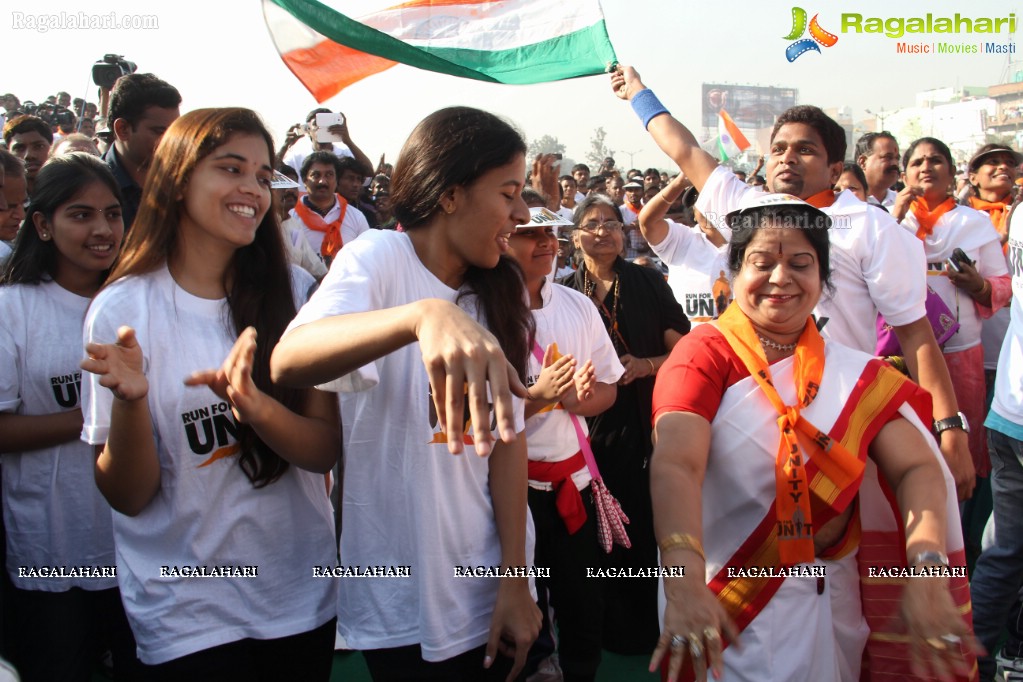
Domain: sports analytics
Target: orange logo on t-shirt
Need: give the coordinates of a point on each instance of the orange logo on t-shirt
(440, 436)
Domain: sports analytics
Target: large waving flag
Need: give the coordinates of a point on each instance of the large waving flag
(730, 140)
(500, 41)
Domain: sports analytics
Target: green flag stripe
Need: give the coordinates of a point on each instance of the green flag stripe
(581, 53)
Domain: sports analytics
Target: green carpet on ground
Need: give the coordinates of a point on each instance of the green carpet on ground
(349, 667)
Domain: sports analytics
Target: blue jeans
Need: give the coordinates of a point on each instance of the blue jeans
(998, 574)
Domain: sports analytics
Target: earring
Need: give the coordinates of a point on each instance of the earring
(45, 236)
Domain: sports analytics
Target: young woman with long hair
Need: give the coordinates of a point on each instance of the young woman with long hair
(392, 302)
(61, 621)
(211, 472)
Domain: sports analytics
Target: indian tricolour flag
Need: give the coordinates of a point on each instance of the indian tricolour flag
(730, 140)
(331, 44)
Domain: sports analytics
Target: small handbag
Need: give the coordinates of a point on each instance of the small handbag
(941, 318)
(611, 519)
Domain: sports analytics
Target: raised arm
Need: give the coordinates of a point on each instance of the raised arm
(128, 467)
(651, 219)
(674, 139)
(456, 351)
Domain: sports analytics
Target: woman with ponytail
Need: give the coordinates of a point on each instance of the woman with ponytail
(427, 329)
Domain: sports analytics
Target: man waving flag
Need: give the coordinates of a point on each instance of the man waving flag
(500, 41)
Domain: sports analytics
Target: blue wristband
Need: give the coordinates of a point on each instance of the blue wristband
(647, 106)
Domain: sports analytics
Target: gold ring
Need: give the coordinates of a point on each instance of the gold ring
(711, 634)
(695, 646)
(936, 643)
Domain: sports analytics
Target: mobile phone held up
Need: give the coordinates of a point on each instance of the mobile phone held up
(957, 258)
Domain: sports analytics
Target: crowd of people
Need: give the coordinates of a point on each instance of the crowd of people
(480, 417)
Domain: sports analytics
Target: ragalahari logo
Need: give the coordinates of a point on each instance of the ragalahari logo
(817, 35)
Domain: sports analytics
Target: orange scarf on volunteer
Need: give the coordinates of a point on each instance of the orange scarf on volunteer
(998, 210)
(928, 218)
(332, 241)
(792, 503)
(821, 199)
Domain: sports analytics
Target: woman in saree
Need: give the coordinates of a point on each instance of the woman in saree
(800, 467)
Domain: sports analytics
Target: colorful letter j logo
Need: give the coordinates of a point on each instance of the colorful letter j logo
(818, 35)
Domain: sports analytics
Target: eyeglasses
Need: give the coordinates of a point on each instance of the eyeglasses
(609, 226)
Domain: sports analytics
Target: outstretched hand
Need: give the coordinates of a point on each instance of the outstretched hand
(120, 365)
(233, 380)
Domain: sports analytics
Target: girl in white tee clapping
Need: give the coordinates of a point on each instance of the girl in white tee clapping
(211, 471)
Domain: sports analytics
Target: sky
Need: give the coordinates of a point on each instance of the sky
(219, 53)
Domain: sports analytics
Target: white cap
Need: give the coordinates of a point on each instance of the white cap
(544, 217)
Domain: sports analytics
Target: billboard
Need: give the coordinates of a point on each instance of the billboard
(750, 106)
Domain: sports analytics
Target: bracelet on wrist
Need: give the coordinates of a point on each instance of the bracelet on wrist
(930, 557)
(682, 541)
(653, 370)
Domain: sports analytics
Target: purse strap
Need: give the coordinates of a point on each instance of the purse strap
(584, 442)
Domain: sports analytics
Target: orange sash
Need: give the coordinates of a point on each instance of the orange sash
(928, 218)
(794, 522)
(998, 210)
(821, 199)
(332, 241)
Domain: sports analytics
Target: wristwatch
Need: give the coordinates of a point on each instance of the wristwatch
(956, 422)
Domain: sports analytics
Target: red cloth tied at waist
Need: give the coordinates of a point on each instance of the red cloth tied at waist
(568, 500)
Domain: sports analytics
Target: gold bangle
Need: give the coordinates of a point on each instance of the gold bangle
(653, 370)
(682, 541)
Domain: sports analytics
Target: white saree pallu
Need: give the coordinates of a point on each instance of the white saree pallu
(815, 622)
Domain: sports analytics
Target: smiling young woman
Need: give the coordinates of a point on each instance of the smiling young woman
(54, 516)
(211, 466)
(426, 331)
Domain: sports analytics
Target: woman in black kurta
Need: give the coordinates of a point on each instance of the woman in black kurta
(644, 322)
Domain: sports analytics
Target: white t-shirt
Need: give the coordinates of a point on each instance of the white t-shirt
(353, 224)
(1007, 406)
(304, 147)
(206, 513)
(875, 264)
(406, 501)
(53, 512)
(971, 231)
(567, 214)
(569, 319)
(889, 199)
(697, 272)
(628, 215)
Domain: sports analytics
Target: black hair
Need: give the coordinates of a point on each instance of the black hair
(937, 144)
(861, 177)
(285, 169)
(533, 198)
(832, 134)
(347, 163)
(136, 92)
(580, 167)
(11, 164)
(59, 181)
(865, 145)
(814, 226)
(450, 148)
(319, 110)
(27, 124)
(589, 202)
(325, 158)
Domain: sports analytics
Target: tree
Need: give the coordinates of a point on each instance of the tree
(545, 145)
(598, 150)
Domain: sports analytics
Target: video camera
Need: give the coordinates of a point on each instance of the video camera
(106, 71)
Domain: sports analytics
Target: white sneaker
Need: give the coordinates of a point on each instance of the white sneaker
(548, 671)
(1009, 669)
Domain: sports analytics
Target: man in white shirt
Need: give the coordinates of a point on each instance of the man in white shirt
(878, 155)
(323, 217)
(875, 266)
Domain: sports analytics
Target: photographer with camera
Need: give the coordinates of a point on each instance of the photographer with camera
(142, 107)
(29, 138)
(301, 141)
